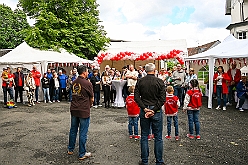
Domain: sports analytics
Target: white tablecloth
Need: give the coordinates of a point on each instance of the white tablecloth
(119, 101)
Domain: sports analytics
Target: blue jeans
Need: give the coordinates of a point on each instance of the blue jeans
(83, 125)
(242, 100)
(96, 98)
(157, 129)
(133, 122)
(56, 94)
(70, 94)
(10, 91)
(219, 92)
(178, 91)
(193, 117)
(37, 93)
(46, 94)
(169, 120)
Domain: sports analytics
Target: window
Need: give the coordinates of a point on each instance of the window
(241, 35)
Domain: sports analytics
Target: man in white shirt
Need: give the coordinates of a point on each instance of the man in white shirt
(131, 76)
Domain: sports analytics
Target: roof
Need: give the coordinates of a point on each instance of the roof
(231, 26)
(202, 48)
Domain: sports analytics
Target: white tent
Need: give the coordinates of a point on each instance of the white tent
(229, 48)
(26, 56)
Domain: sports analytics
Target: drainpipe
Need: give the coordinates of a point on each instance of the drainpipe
(242, 10)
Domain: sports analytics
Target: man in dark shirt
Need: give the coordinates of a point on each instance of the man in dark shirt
(19, 83)
(150, 96)
(82, 99)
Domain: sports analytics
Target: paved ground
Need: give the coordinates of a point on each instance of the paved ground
(39, 135)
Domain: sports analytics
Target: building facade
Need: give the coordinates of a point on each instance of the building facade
(238, 10)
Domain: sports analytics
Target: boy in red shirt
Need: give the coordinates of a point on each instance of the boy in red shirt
(133, 111)
(171, 108)
(193, 103)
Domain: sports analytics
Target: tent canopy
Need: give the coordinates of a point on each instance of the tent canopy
(229, 48)
(26, 54)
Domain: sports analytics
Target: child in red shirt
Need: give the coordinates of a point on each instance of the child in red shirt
(133, 111)
(193, 103)
(171, 108)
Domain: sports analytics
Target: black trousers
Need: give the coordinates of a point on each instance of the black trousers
(112, 95)
(62, 91)
(106, 91)
(19, 89)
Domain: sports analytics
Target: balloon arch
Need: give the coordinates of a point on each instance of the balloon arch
(174, 54)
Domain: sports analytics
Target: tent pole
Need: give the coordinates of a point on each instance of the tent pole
(211, 62)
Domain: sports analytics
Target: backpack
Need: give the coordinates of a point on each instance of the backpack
(195, 98)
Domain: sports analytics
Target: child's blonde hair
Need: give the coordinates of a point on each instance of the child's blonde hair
(170, 89)
(131, 89)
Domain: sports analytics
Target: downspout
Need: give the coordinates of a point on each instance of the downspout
(242, 10)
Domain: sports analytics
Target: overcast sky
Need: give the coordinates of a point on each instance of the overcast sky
(197, 21)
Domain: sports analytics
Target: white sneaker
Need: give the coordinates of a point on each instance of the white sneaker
(86, 155)
(224, 108)
(241, 110)
(33, 103)
(95, 106)
(58, 101)
(53, 101)
(217, 107)
(49, 101)
(44, 101)
(228, 104)
(100, 105)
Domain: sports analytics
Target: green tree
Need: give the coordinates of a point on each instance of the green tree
(72, 25)
(12, 26)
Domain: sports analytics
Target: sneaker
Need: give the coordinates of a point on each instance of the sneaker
(29, 105)
(58, 101)
(131, 136)
(190, 136)
(37, 102)
(86, 155)
(69, 152)
(5, 106)
(49, 101)
(95, 106)
(241, 110)
(150, 137)
(136, 137)
(168, 137)
(53, 101)
(224, 108)
(198, 137)
(176, 138)
(100, 105)
(218, 108)
(44, 101)
(15, 106)
(228, 104)
(33, 103)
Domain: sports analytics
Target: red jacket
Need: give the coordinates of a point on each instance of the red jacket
(195, 98)
(237, 76)
(36, 75)
(171, 105)
(133, 109)
(225, 81)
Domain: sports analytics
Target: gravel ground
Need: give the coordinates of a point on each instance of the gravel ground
(39, 135)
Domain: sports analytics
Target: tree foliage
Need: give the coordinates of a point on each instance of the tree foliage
(12, 24)
(71, 24)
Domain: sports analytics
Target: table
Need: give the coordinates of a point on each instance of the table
(119, 101)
